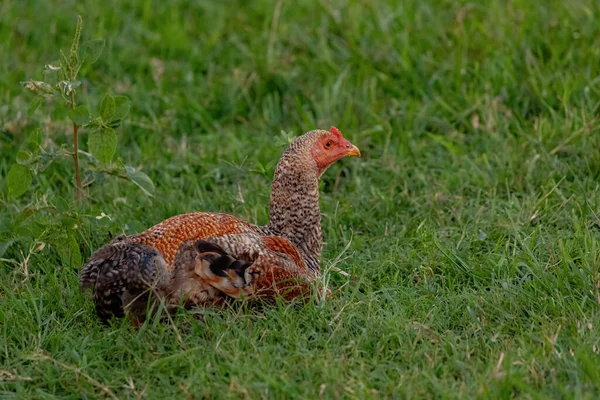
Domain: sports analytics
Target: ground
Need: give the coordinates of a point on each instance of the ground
(462, 248)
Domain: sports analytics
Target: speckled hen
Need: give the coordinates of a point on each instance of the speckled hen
(201, 259)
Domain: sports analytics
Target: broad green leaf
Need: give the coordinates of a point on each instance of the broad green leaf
(35, 103)
(24, 157)
(91, 50)
(141, 180)
(19, 179)
(122, 106)
(107, 108)
(80, 115)
(34, 141)
(103, 144)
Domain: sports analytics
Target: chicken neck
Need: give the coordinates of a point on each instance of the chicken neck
(294, 210)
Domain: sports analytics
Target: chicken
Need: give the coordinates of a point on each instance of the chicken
(203, 259)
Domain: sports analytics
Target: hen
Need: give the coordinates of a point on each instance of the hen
(201, 259)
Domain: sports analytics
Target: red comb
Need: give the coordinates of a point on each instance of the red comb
(335, 131)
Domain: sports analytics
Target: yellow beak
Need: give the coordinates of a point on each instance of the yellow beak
(353, 151)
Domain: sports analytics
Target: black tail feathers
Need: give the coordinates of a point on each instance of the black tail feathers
(122, 276)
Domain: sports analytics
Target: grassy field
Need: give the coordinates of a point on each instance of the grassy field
(469, 229)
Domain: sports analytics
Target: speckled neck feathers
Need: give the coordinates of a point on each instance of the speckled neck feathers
(294, 211)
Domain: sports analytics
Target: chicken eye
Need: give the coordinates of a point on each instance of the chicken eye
(328, 144)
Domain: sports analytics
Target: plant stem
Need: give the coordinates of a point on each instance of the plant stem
(76, 160)
(79, 188)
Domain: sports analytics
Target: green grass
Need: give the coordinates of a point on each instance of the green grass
(471, 220)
